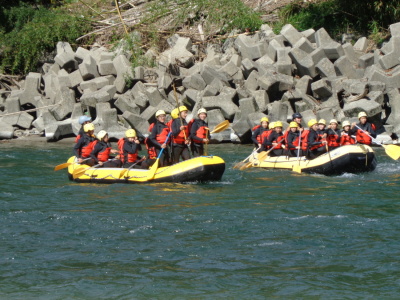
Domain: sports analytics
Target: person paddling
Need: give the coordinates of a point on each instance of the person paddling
(129, 148)
(180, 136)
(316, 145)
(158, 138)
(199, 133)
(346, 138)
(85, 145)
(102, 150)
(333, 135)
(367, 129)
(260, 132)
(275, 140)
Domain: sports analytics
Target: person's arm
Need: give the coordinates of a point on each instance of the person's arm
(291, 138)
(371, 131)
(312, 139)
(254, 136)
(78, 146)
(96, 151)
(268, 141)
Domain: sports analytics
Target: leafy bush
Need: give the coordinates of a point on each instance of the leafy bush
(36, 32)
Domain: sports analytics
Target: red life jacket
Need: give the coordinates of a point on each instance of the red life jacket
(162, 136)
(277, 140)
(202, 134)
(362, 137)
(304, 139)
(104, 155)
(265, 134)
(332, 140)
(77, 138)
(182, 136)
(124, 156)
(151, 150)
(319, 139)
(87, 149)
(346, 139)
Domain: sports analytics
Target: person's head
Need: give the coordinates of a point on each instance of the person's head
(202, 113)
(346, 125)
(264, 122)
(278, 126)
(160, 115)
(362, 116)
(88, 128)
(175, 113)
(84, 120)
(130, 134)
(313, 124)
(102, 136)
(297, 117)
(294, 126)
(321, 124)
(183, 111)
(334, 124)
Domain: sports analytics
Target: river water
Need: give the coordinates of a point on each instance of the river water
(255, 234)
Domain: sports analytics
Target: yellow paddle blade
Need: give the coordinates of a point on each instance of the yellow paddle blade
(246, 166)
(153, 170)
(392, 151)
(238, 165)
(79, 172)
(62, 166)
(297, 169)
(263, 155)
(221, 127)
(122, 172)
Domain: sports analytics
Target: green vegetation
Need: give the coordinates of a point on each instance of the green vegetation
(365, 17)
(29, 32)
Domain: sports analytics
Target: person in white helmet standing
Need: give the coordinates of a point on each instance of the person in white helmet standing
(199, 133)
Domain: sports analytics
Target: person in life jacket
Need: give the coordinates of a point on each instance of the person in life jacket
(322, 132)
(316, 146)
(83, 120)
(85, 145)
(180, 136)
(129, 146)
(275, 140)
(333, 135)
(260, 132)
(346, 138)
(158, 138)
(297, 117)
(367, 129)
(199, 133)
(292, 141)
(102, 150)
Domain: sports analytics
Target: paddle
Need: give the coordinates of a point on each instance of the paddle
(154, 167)
(261, 156)
(79, 172)
(240, 164)
(218, 128)
(66, 165)
(130, 167)
(392, 151)
(297, 168)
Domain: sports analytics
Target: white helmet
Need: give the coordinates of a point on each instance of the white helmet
(101, 134)
(202, 111)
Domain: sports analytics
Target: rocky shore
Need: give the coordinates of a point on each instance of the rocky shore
(242, 80)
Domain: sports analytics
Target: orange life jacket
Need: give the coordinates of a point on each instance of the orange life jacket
(104, 155)
(124, 156)
(346, 139)
(304, 140)
(77, 138)
(202, 134)
(332, 139)
(182, 136)
(162, 136)
(88, 148)
(277, 140)
(265, 134)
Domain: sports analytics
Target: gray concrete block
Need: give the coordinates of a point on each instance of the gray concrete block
(272, 49)
(106, 67)
(107, 119)
(105, 94)
(136, 121)
(361, 44)
(149, 114)
(6, 130)
(31, 89)
(88, 68)
(322, 89)
(66, 60)
(394, 102)
(247, 67)
(344, 67)
(291, 34)
(104, 56)
(307, 116)
(309, 34)
(242, 129)
(303, 62)
(304, 44)
(154, 96)
(194, 82)
(277, 110)
(376, 96)
(366, 60)
(370, 107)
(303, 85)
(55, 131)
(75, 78)
(65, 97)
(262, 99)
(326, 114)
(250, 47)
(222, 102)
(126, 103)
(252, 81)
(325, 68)
(94, 84)
(63, 47)
(12, 105)
(395, 29)
(391, 59)
(350, 53)
(81, 54)
(248, 106)
(275, 84)
(332, 49)
(165, 106)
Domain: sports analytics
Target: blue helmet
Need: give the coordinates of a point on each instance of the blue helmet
(83, 119)
(297, 115)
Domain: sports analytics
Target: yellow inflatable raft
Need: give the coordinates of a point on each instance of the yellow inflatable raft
(345, 159)
(203, 168)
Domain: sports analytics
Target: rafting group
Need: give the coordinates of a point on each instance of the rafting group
(312, 142)
(171, 140)
(321, 148)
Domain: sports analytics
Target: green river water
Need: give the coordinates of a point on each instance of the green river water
(254, 235)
